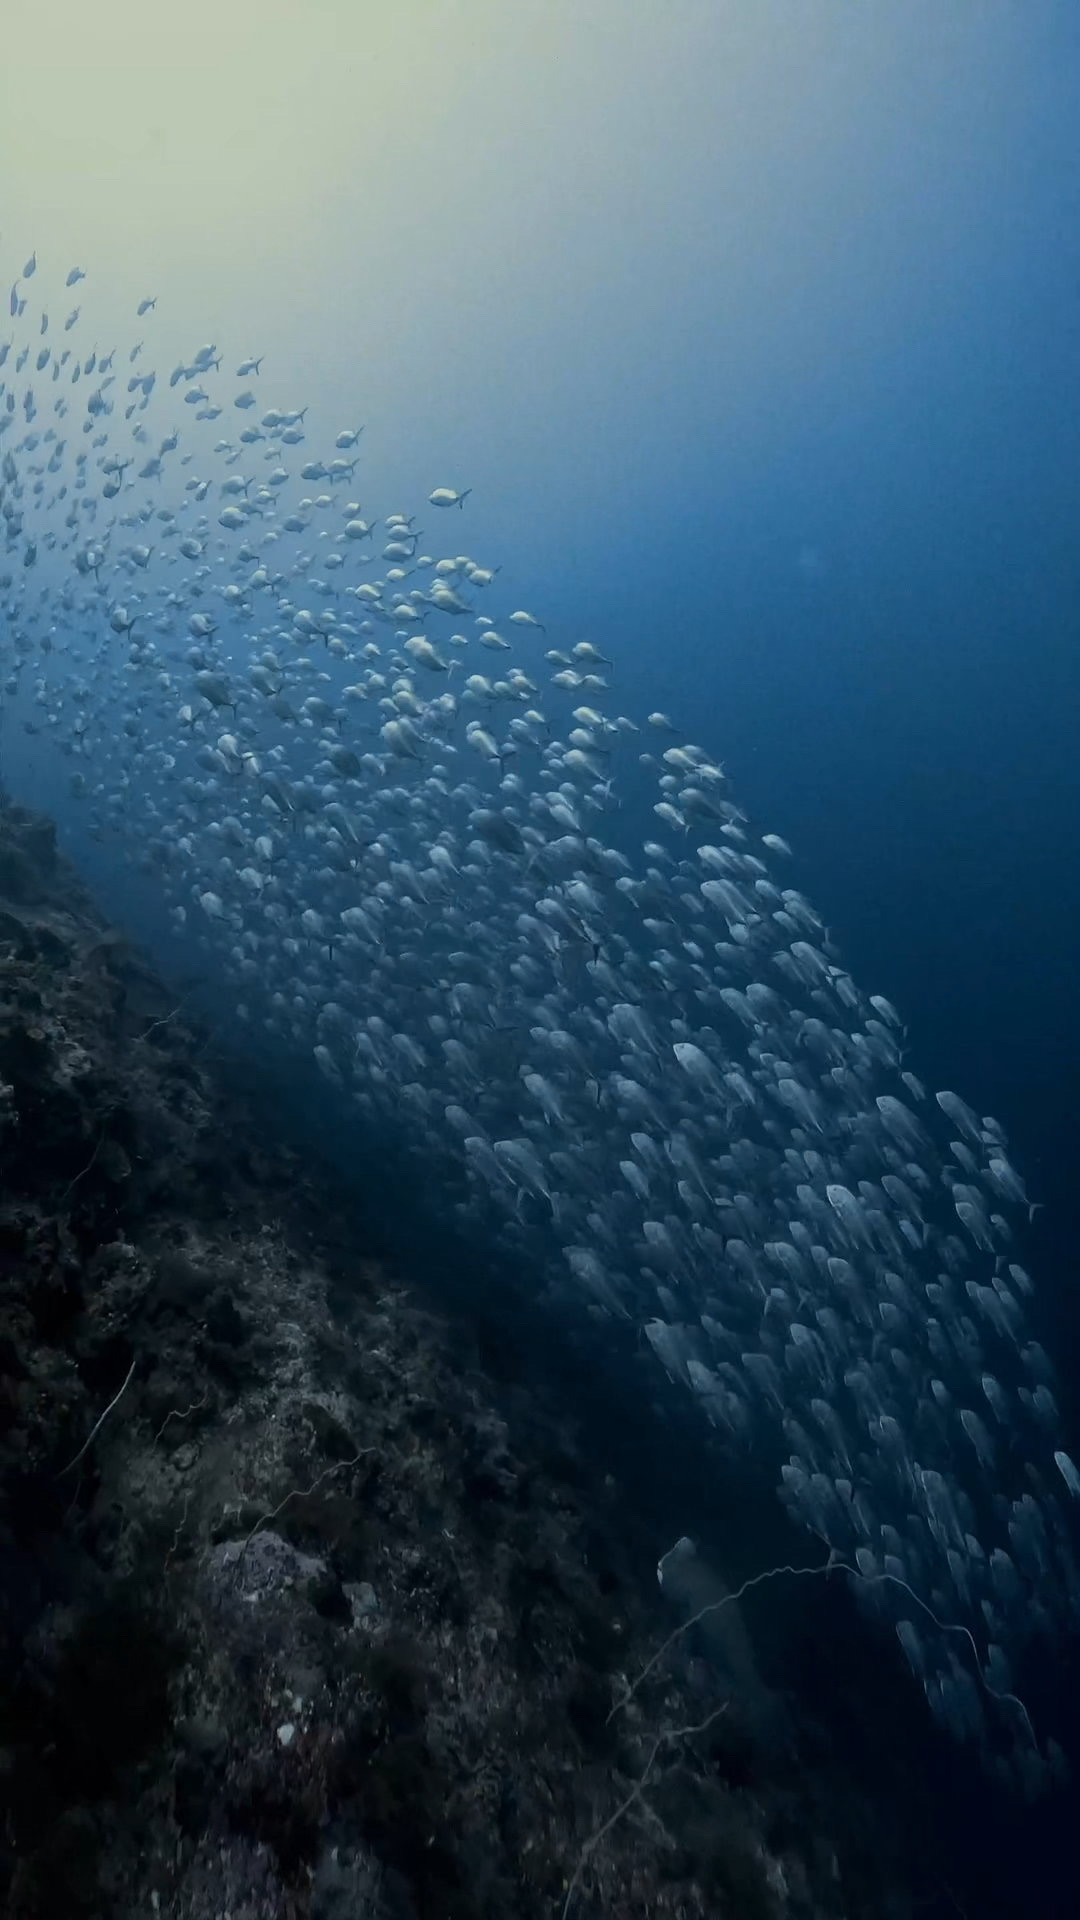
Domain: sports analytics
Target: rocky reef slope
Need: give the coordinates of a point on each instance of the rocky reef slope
(302, 1611)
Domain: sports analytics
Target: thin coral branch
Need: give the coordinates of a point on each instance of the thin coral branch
(832, 1565)
(296, 1493)
(672, 1733)
(714, 1606)
(98, 1424)
(180, 1413)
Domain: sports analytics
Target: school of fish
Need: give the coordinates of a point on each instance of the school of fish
(398, 823)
